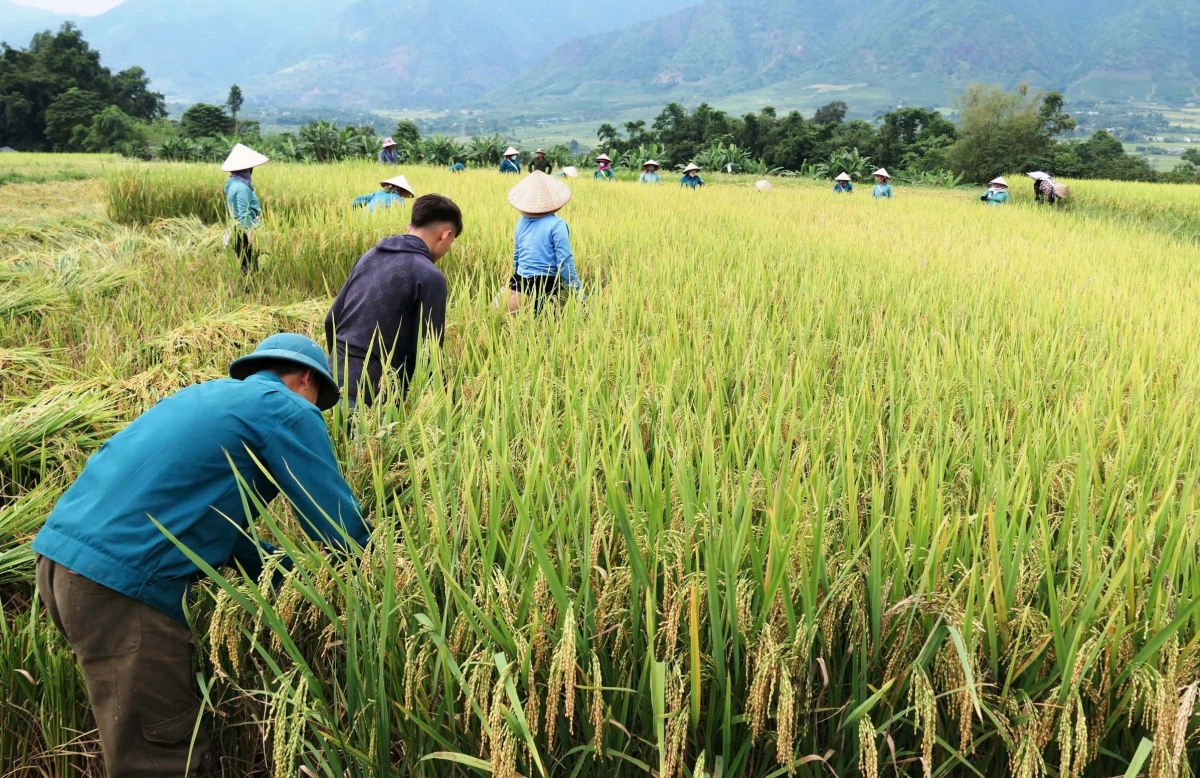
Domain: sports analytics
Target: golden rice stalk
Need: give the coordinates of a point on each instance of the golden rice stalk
(597, 717)
(868, 755)
(764, 675)
(785, 718)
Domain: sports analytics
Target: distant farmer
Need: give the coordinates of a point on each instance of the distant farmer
(997, 192)
(197, 463)
(244, 207)
(457, 167)
(604, 169)
(543, 263)
(570, 171)
(842, 184)
(691, 177)
(883, 187)
(541, 164)
(1045, 190)
(393, 297)
(509, 163)
(393, 191)
(388, 155)
(650, 173)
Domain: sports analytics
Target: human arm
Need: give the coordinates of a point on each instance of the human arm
(299, 455)
(564, 259)
(362, 201)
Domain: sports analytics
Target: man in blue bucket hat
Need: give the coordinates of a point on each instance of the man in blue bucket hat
(116, 585)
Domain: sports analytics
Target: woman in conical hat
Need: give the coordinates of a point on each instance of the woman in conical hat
(650, 173)
(842, 184)
(509, 163)
(244, 206)
(543, 263)
(691, 177)
(883, 187)
(388, 156)
(604, 169)
(997, 193)
(393, 191)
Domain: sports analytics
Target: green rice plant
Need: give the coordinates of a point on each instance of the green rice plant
(52, 428)
(20, 520)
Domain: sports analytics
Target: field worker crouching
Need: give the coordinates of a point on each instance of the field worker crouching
(393, 297)
(842, 184)
(387, 155)
(393, 191)
(691, 177)
(543, 263)
(457, 167)
(509, 163)
(1045, 190)
(883, 187)
(650, 173)
(116, 586)
(540, 163)
(604, 170)
(997, 192)
(244, 206)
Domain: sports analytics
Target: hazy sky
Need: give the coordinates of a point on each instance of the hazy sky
(87, 7)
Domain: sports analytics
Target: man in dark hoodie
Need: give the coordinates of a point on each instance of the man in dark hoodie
(393, 296)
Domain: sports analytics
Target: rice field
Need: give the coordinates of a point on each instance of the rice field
(809, 485)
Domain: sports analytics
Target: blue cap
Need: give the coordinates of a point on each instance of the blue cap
(293, 348)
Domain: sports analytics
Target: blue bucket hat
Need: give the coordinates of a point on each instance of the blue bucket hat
(293, 348)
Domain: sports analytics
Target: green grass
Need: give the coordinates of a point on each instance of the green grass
(806, 476)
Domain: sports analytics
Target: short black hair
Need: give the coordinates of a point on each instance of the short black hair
(435, 209)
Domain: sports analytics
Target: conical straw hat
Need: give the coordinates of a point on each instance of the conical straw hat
(603, 158)
(571, 171)
(843, 177)
(691, 167)
(763, 186)
(511, 152)
(243, 158)
(1038, 176)
(650, 163)
(882, 172)
(401, 183)
(539, 194)
(998, 181)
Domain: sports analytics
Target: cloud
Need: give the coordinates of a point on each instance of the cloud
(84, 7)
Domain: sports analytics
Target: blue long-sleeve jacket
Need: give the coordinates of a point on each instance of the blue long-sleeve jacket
(243, 204)
(882, 191)
(543, 248)
(380, 199)
(389, 156)
(176, 463)
(649, 178)
(843, 187)
(691, 182)
(509, 166)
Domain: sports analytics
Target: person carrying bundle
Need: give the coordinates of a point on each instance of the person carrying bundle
(883, 187)
(604, 170)
(997, 192)
(394, 295)
(691, 177)
(842, 184)
(393, 192)
(541, 163)
(197, 466)
(650, 173)
(543, 263)
(244, 206)
(509, 163)
(1045, 190)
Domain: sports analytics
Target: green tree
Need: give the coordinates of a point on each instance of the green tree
(74, 109)
(831, 113)
(114, 131)
(234, 103)
(131, 93)
(1001, 132)
(205, 121)
(406, 132)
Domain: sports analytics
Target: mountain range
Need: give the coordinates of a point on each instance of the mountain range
(539, 54)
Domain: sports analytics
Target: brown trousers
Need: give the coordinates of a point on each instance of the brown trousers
(137, 664)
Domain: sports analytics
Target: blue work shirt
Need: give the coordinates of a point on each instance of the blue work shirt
(243, 204)
(995, 196)
(176, 463)
(457, 167)
(543, 248)
(649, 178)
(380, 199)
(389, 156)
(881, 191)
(509, 166)
(691, 182)
(606, 174)
(843, 187)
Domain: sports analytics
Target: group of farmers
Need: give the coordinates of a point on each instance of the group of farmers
(176, 493)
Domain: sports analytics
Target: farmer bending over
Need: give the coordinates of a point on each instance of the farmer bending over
(393, 191)
(394, 295)
(116, 586)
